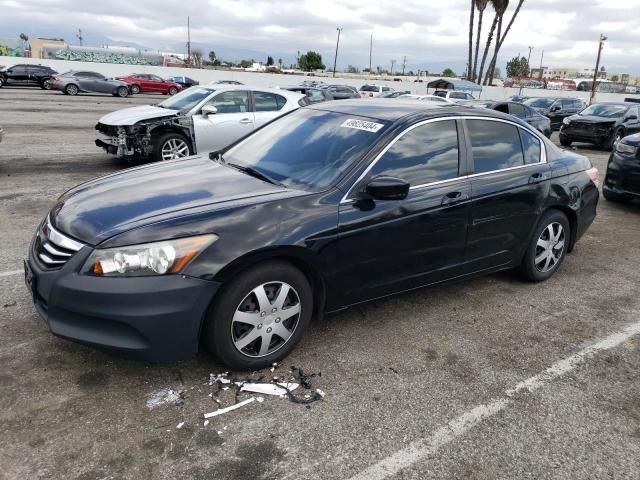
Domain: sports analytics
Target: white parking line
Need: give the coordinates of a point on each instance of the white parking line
(420, 449)
(11, 272)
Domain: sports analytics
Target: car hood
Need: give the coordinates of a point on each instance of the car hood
(133, 115)
(592, 119)
(102, 208)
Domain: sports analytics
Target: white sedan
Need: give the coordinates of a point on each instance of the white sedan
(425, 98)
(197, 120)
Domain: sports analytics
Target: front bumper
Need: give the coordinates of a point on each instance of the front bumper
(623, 176)
(587, 134)
(155, 319)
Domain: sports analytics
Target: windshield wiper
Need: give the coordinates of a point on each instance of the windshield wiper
(253, 172)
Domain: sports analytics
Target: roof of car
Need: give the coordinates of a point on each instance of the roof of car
(382, 109)
(222, 87)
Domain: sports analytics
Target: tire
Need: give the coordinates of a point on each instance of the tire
(71, 89)
(614, 197)
(224, 334)
(45, 84)
(171, 141)
(615, 138)
(122, 92)
(1, 82)
(550, 255)
(135, 89)
(172, 91)
(564, 141)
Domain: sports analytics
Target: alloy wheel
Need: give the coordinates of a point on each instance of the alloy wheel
(174, 148)
(266, 319)
(550, 247)
(72, 90)
(135, 89)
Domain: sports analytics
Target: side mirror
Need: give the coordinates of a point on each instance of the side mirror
(209, 110)
(387, 188)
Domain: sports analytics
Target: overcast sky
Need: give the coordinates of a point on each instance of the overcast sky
(427, 32)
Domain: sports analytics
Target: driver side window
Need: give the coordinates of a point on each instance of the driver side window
(236, 101)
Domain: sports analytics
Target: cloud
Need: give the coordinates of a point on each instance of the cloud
(426, 31)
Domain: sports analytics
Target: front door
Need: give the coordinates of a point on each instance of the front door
(233, 120)
(509, 184)
(419, 240)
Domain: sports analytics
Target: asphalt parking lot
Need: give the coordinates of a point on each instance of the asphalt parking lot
(420, 386)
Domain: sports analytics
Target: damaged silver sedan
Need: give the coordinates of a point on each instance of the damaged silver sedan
(197, 120)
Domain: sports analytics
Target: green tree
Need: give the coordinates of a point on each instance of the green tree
(352, 69)
(518, 67)
(447, 72)
(270, 61)
(246, 63)
(499, 41)
(280, 63)
(500, 7)
(212, 56)
(311, 61)
(481, 5)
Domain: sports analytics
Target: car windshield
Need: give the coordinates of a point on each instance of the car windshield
(539, 102)
(307, 149)
(187, 99)
(368, 88)
(604, 110)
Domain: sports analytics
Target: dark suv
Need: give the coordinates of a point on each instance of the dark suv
(27, 75)
(555, 109)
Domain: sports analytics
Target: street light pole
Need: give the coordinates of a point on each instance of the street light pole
(595, 74)
(335, 60)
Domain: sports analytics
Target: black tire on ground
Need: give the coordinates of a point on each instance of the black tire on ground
(121, 92)
(564, 141)
(71, 89)
(135, 89)
(617, 136)
(528, 267)
(1, 82)
(162, 139)
(45, 84)
(614, 197)
(173, 90)
(217, 330)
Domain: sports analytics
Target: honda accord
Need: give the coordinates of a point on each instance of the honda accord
(328, 207)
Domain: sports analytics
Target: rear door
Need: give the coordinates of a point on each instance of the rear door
(34, 75)
(509, 184)
(267, 106)
(233, 121)
(86, 81)
(419, 240)
(18, 75)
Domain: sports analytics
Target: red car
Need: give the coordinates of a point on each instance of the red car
(147, 83)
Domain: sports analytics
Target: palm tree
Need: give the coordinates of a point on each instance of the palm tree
(500, 41)
(471, 18)
(480, 5)
(500, 6)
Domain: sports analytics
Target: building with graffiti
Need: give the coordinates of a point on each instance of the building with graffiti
(120, 55)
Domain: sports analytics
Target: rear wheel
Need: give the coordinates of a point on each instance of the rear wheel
(135, 89)
(1, 82)
(173, 90)
(45, 84)
(615, 138)
(71, 89)
(122, 92)
(548, 247)
(171, 146)
(259, 316)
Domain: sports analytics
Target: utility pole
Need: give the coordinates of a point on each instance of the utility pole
(393, 62)
(188, 41)
(404, 62)
(529, 61)
(370, 52)
(79, 35)
(603, 38)
(541, 68)
(335, 59)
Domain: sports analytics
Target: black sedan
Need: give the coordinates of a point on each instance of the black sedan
(622, 180)
(342, 92)
(555, 109)
(523, 112)
(327, 207)
(186, 82)
(72, 83)
(602, 124)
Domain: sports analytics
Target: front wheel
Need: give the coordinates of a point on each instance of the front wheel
(548, 247)
(135, 89)
(259, 316)
(71, 89)
(122, 92)
(615, 138)
(171, 146)
(564, 141)
(173, 91)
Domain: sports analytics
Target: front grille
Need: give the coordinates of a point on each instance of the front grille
(110, 130)
(53, 248)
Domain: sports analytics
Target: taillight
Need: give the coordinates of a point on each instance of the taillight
(594, 174)
(54, 78)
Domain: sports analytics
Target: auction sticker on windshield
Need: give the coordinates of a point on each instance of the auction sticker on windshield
(362, 125)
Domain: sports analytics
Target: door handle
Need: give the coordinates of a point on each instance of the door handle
(454, 197)
(538, 177)
(246, 121)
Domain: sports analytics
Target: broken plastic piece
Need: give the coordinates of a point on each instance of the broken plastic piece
(206, 422)
(166, 396)
(268, 388)
(259, 399)
(219, 378)
(229, 409)
(180, 425)
(304, 378)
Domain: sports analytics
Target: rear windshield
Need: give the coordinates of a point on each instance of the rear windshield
(307, 149)
(539, 102)
(369, 88)
(186, 99)
(604, 110)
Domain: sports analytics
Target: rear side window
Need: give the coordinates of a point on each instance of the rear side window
(426, 154)
(457, 95)
(495, 145)
(315, 95)
(517, 110)
(368, 88)
(531, 148)
(268, 102)
(233, 101)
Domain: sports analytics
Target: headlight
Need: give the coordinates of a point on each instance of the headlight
(566, 121)
(626, 149)
(158, 258)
